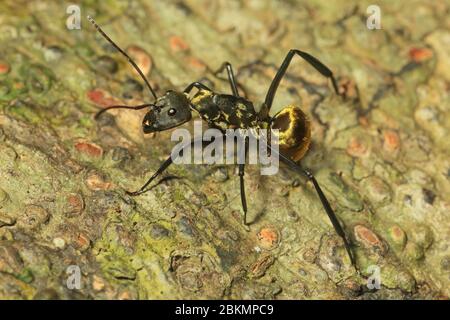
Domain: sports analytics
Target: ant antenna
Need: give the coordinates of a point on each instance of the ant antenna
(124, 53)
(142, 106)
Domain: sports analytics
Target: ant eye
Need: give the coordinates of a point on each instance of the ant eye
(172, 112)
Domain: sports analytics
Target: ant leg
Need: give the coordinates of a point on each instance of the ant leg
(234, 89)
(319, 66)
(198, 85)
(243, 198)
(231, 78)
(326, 205)
(164, 166)
(242, 182)
(142, 106)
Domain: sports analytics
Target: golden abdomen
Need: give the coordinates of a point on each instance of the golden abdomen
(294, 132)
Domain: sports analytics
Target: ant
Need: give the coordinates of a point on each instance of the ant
(223, 111)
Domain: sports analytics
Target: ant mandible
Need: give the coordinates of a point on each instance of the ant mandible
(224, 111)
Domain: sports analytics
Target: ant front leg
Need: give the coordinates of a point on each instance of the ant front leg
(198, 85)
(319, 66)
(166, 164)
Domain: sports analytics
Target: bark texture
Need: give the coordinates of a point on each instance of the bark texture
(381, 154)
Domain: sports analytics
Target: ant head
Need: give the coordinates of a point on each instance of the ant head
(170, 110)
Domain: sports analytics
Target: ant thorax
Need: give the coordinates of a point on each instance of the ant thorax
(224, 111)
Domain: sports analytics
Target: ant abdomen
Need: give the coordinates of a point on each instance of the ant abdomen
(294, 132)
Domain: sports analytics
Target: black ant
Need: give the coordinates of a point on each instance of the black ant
(223, 111)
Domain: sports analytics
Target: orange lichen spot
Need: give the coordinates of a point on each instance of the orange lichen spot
(75, 203)
(363, 121)
(356, 148)
(367, 237)
(82, 242)
(420, 54)
(259, 268)
(391, 140)
(95, 182)
(347, 87)
(125, 295)
(196, 63)
(178, 44)
(4, 68)
(98, 284)
(102, 98)
(18, 85)
(268, 237)
(142, 59)
(398, 235)
(89, 148)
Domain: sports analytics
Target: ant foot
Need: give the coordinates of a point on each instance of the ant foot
(133, 193)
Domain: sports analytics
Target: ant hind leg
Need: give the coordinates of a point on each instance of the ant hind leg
(319, 66)
(323, 199)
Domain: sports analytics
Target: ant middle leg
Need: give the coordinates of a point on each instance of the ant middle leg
(242, 187)
(242, 181)
(234, 89)
(319, 66)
